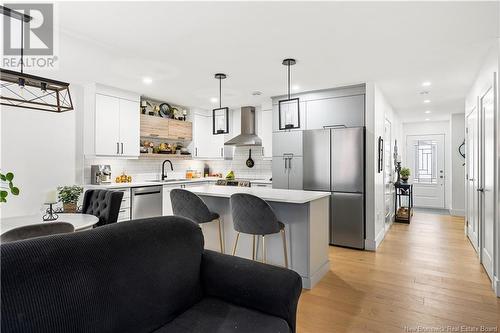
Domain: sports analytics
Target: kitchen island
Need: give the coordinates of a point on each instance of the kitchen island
(304, 213)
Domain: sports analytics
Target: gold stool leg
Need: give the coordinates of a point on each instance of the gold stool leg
(284, 247)
(263, 249)
(236, 243)
(220, 237)
(253, 248)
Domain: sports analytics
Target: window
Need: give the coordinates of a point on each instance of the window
(425, 162)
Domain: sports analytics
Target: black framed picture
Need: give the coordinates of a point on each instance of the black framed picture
(220, 121)
(380, 164)
(289, 113)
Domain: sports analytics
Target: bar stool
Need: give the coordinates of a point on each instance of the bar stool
(254, 216)
(189, 205)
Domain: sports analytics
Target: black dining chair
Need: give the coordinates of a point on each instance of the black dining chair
(104, 204)
(36, 230)
(189, 205)
(252, 215)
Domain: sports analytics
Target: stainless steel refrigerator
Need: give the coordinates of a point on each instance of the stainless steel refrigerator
(334, 161)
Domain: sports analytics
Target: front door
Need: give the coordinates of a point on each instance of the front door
(425, 158)
(472, 158)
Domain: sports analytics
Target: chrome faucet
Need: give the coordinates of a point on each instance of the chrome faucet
(163, 175)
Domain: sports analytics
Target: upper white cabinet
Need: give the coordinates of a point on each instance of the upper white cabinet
(111, 122)
(206, 145)
(345, 111)
(265, 132)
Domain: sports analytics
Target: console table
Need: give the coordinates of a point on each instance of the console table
(403, 213)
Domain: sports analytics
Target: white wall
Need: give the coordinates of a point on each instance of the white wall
(429, 128)
(39, 148)
(486, 74)
(457, 131)
(378, 109)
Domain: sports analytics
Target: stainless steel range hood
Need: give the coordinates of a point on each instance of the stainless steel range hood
(247, 136)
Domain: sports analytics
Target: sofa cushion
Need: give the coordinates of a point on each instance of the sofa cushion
(124, 277)
(215, 316)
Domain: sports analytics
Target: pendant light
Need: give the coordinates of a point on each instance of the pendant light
(289, 109)
(29, 91)
(220, 116)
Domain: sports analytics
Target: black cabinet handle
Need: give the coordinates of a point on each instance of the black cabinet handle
(117, 148)
(122, 148)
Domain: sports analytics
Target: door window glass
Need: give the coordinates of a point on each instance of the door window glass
(425, 168)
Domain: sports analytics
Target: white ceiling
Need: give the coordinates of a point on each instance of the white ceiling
(181, 45)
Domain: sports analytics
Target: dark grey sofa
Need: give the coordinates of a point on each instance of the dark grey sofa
(149, 275)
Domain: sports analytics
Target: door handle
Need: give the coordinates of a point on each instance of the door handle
(286, 165)
(480, 189)
(196, 152)
(122, 148)
(117, 148)
(222, 152)
(289, 163)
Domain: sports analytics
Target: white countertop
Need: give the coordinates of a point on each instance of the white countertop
(268, 194)
(160, 183)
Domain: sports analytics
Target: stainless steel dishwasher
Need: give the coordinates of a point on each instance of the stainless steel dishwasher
(147, 201)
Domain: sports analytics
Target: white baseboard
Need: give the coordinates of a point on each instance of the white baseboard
(371, 245)
(457, 212)
(496, 286)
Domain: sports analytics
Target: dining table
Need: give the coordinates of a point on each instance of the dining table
(79, 221)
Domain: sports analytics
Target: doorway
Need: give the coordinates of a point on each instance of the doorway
(426, 159)
(388, 175)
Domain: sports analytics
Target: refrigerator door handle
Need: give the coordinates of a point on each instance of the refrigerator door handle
(286, 165)
(289, 163)
(334, 126)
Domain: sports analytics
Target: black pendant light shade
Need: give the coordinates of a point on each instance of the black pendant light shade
(29, 91)
(289, 109)
(220, 116)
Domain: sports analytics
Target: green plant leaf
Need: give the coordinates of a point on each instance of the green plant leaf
(3, 194)
(9, 176)
(14, 190)
(2, 177)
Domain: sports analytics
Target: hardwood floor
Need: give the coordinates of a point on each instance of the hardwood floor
(424, 274)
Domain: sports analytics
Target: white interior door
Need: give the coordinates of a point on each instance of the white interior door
(388, 174)
(472, 158)
(487, 180)
(425, 158)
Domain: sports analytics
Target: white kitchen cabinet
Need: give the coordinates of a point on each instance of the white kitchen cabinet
(206, 145)
(111, 122)
(107, 130)
(265, 132)
(129, 128)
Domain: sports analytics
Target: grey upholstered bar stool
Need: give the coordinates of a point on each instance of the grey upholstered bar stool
(254, 216)
(189, 205)
(36, 230)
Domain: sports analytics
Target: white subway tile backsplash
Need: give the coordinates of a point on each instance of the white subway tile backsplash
(148, 169)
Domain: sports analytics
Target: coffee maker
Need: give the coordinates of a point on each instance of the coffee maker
(100, 174)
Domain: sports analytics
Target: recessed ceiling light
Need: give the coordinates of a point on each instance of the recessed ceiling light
(147, 80)
(426, 84)
(214, 100)
(295, 87)
(427, 119)
(427, 101)
(428, 111)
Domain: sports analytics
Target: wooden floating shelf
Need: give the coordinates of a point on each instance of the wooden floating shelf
(167, 156)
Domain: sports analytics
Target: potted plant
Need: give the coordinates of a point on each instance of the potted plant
(405, 174)
(6, 186)
(69, 195)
